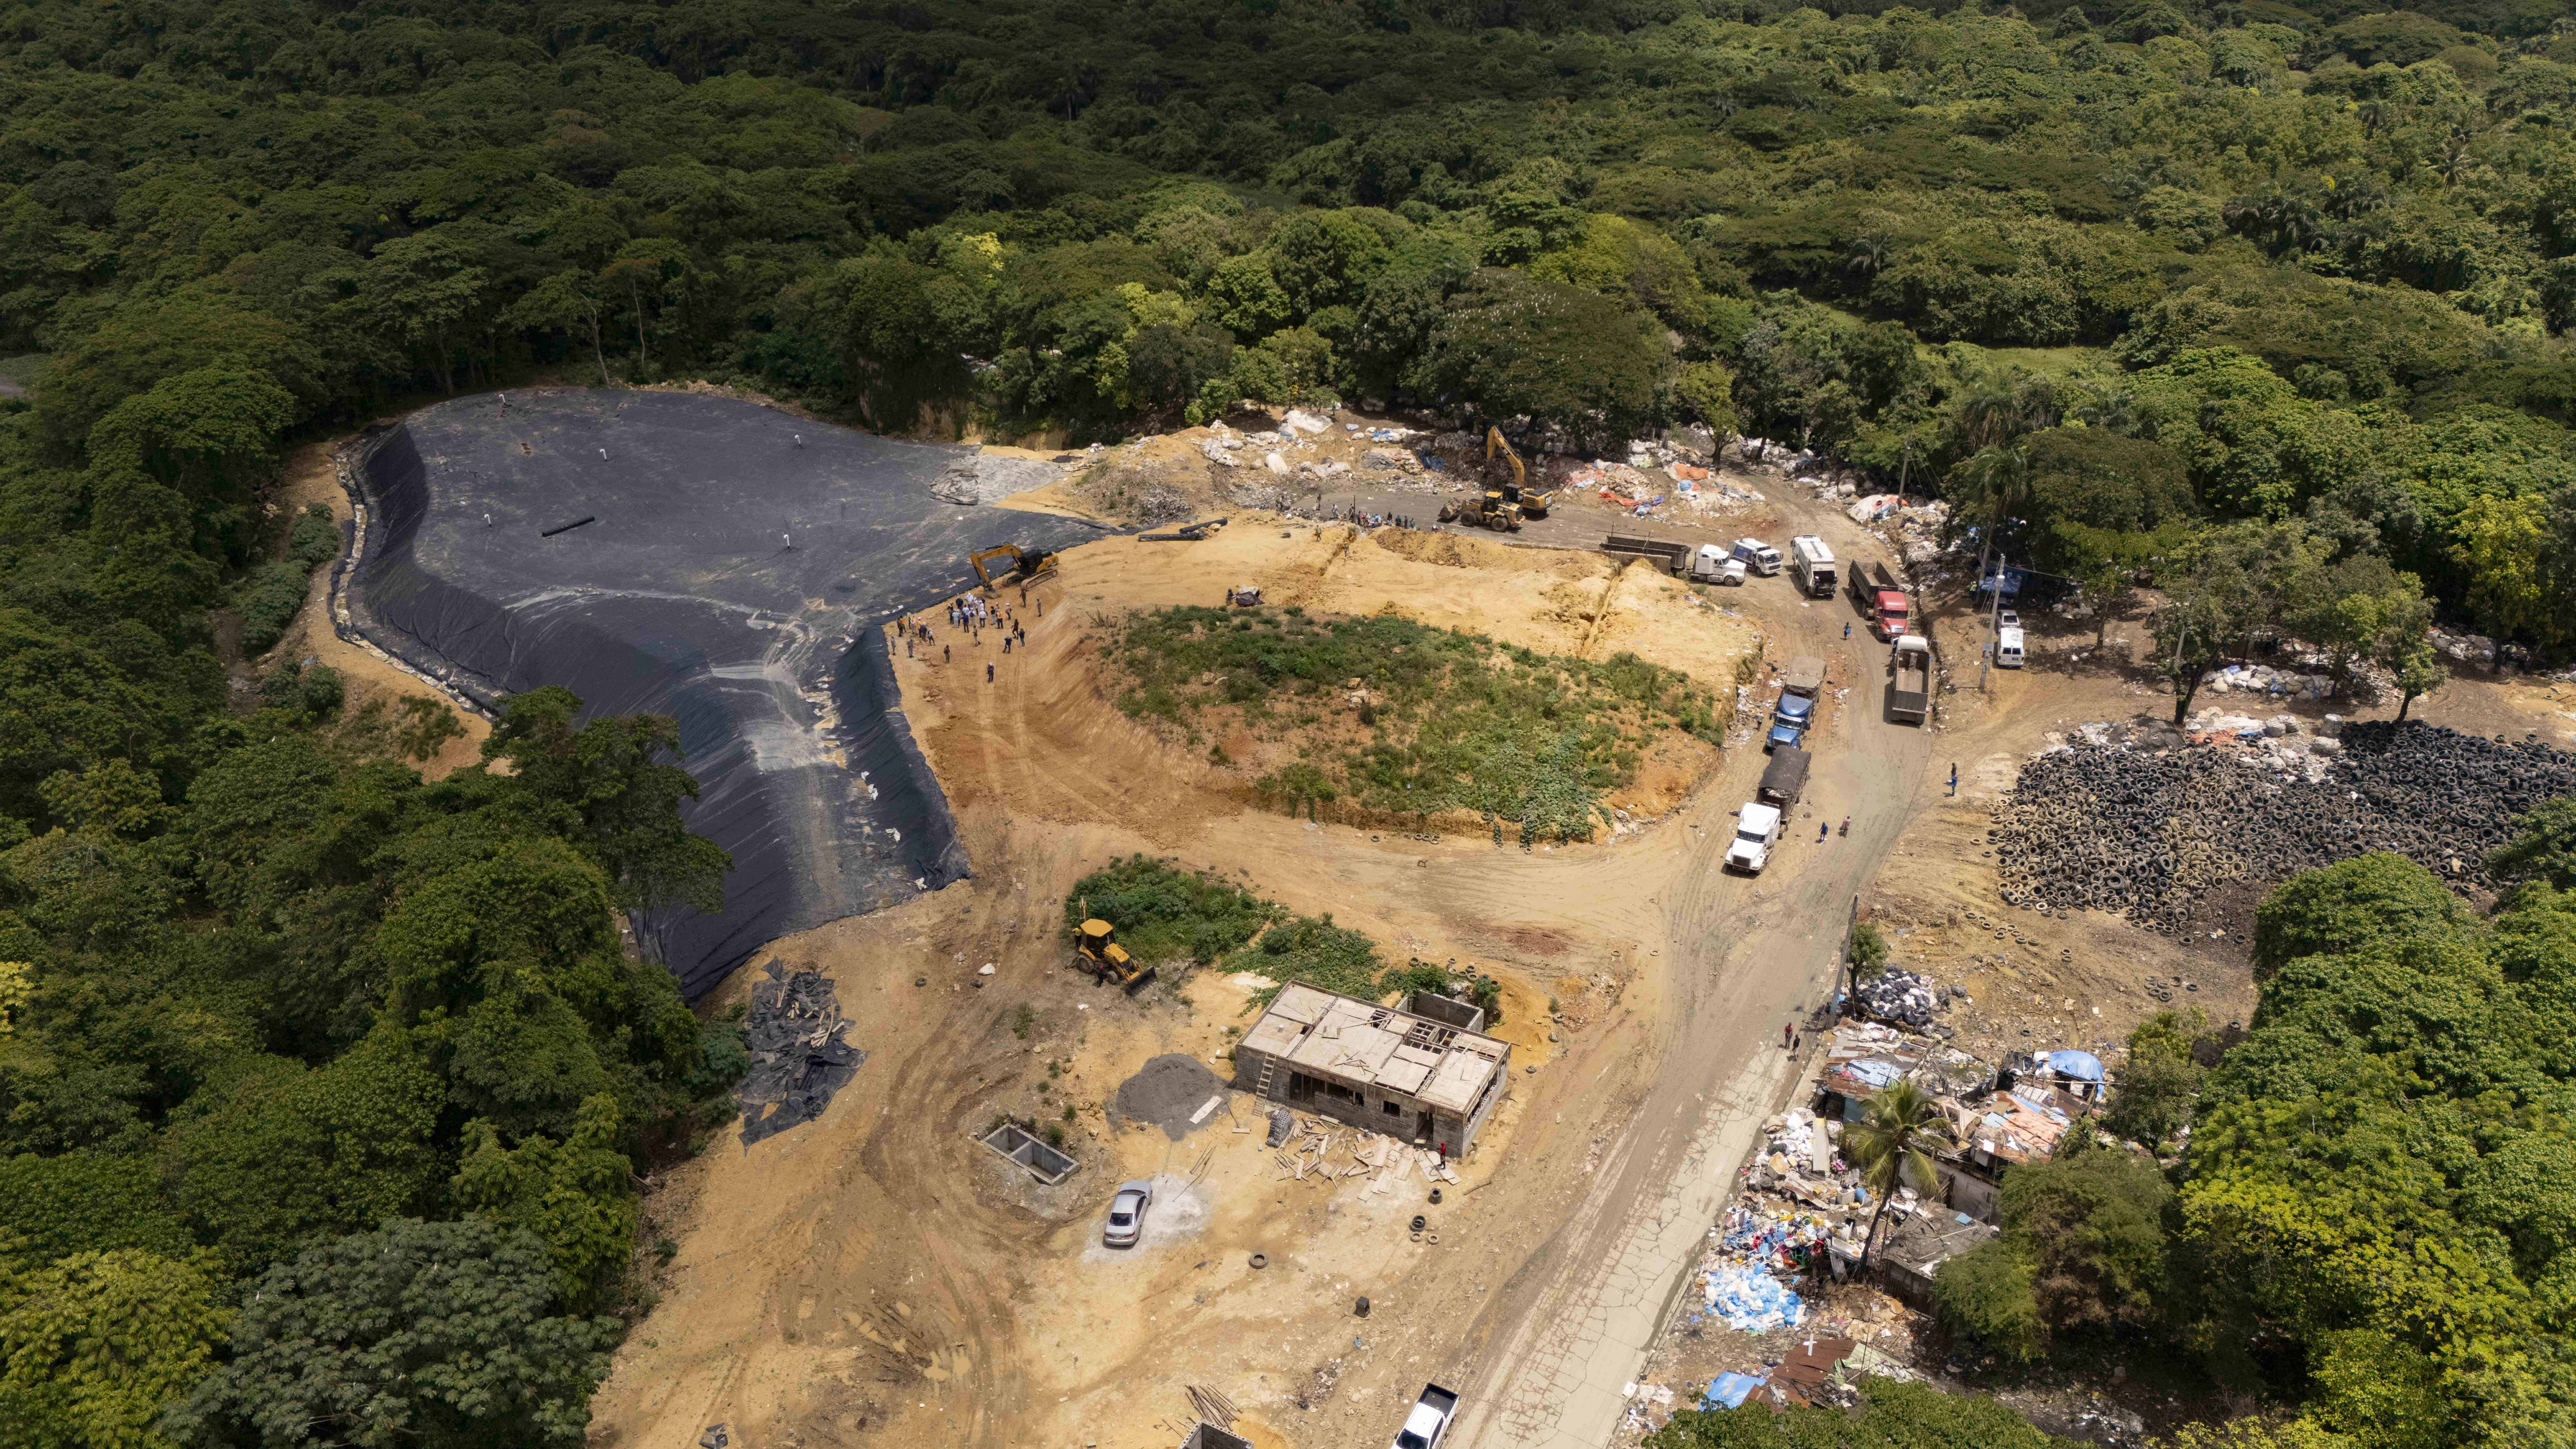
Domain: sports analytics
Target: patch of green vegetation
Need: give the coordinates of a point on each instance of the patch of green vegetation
(1314, 950)
(270, 594)
(1451, 721)
(1164, 913)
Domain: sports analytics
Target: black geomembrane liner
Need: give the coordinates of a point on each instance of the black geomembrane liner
(727, 577)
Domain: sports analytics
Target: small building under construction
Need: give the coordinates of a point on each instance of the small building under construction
(1423, 1074)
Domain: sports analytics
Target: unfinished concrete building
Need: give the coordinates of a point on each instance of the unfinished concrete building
(1423, 1074)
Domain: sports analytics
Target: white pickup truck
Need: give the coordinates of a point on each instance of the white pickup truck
(1428, 1424)
(1757, 829)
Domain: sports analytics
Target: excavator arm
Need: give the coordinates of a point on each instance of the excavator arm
(1010, 551)
(1026, 563)
(1533, 504)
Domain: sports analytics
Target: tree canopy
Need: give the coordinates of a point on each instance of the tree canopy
(2267, 303)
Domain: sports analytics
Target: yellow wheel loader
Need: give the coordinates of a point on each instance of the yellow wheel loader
(1097, 951)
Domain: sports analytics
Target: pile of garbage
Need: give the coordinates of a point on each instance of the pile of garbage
(1754, 1237)
(2264, 679)
(1905, 996)
(798, 1059)
(1749, 1300)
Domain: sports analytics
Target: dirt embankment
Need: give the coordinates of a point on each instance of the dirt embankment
(879, 1277)
(369, 676)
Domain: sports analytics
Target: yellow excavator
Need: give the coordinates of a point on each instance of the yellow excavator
(1531, 501)
(1028, 565)
(1097, 951)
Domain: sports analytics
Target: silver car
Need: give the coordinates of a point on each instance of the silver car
(1127, 1214)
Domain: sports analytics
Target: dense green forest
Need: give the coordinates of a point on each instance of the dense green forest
(2268, 298)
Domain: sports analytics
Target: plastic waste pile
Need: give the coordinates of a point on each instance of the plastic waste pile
(1727, 1391)
(1759, 1240)
(1750, 1300)
(1795, 1136)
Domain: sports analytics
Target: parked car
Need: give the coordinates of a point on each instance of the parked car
(1127, 1214)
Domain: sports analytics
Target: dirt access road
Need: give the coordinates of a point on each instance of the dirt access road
(1548, 1363)
(875, 1277)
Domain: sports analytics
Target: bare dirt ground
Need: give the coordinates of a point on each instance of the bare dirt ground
(880, 1277)
(369, 676)
(2087, 978)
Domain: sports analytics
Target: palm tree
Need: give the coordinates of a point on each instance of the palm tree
(1869, 253)
(1896, 1130)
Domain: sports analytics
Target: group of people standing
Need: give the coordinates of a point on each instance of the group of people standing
(971, 614)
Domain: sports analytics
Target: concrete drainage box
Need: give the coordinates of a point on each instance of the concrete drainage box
(1209, 1436)
(1023, 1147)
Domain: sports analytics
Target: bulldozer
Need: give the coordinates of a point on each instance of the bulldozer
(1028, 565)
(1097, 951)
(1531, 501)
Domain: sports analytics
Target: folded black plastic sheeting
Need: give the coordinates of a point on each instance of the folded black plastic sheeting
(736, 569)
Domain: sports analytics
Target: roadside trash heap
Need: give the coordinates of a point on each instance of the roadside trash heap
(1904, 996)
(2264, 679)
(1750, 1300)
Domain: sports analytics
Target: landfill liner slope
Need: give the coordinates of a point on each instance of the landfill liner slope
(708, 559)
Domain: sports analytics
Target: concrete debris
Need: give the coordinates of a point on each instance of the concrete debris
(798, 1060)
(2264, 679)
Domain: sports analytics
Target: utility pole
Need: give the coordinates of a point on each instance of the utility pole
(1994, 628)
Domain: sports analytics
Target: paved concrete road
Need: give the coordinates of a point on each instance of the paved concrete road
(1745, 952)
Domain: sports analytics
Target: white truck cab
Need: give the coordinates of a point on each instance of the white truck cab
(1757, 829)
(1758, 556)
(1713, 565)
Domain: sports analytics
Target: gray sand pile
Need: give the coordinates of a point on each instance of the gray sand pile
(1168, 1092)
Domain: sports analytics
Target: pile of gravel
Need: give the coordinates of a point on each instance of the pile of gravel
(1167, 1092)
(2151, 834)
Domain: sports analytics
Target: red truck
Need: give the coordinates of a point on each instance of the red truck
(1881, 599)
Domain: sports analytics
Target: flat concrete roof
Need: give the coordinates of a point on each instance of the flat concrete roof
(1362, 1044)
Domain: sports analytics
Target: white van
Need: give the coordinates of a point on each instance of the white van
(1758, 556)
(2008, 649)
